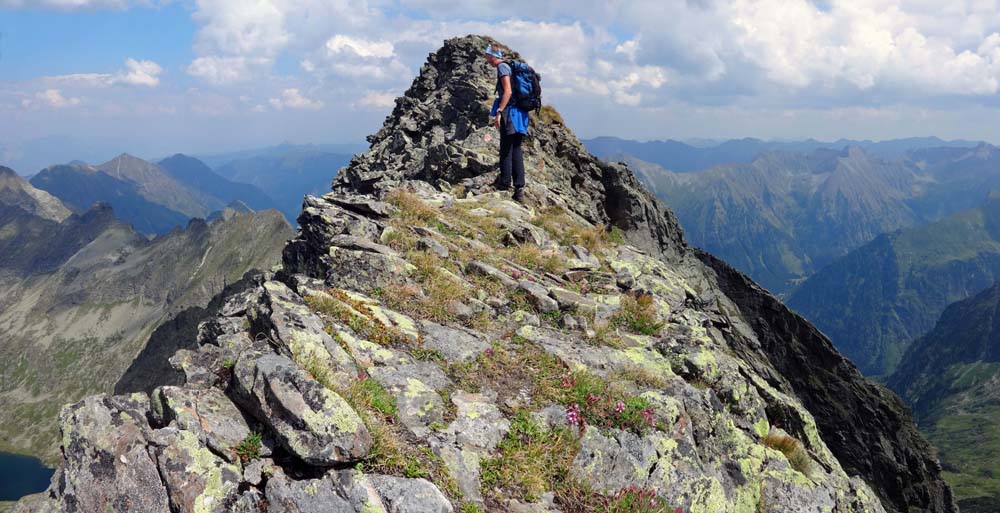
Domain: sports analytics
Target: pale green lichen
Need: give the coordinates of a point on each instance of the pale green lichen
(336, 413)
(709, 497)
(761, 427)
(208, 467)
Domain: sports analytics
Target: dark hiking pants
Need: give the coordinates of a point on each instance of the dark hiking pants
(511, 159)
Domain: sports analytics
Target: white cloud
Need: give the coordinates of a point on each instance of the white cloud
(361, 47)
(137, 73)
(907, 48)
(293, 99)
(50, 98)
(226, 70)
(378, 99)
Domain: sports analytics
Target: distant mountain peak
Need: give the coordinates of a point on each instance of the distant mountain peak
(17, 192)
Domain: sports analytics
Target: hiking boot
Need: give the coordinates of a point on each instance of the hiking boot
(500, 186)
(518, 195)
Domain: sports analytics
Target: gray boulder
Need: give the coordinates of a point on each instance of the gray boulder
(402, 495)
(209, 414)
(309, 420)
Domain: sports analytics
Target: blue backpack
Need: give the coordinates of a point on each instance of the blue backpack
(526, 87)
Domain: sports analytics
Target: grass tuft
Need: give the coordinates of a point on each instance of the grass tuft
(357, 316)
(578, 498)
(638, 314)
(548, 115)
(411, 207)
(793, 450)
(529, 461)
(640, 376)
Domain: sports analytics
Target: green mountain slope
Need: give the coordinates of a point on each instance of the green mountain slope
(951, 378)
(786, 215)
(873, 302)
(73, 326)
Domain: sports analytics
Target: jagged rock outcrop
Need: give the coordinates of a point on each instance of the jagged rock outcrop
(509, 358)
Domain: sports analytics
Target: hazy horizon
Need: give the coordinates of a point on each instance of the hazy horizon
(220, 74)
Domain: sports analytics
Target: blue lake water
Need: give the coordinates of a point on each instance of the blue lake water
(21, 475)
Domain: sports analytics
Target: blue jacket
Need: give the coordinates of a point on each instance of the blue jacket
(514, 119)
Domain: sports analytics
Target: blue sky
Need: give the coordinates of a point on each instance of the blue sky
(91, 78)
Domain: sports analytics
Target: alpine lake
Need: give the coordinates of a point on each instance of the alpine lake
(22, 475)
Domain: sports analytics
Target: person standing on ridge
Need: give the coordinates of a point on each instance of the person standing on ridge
(512, 121)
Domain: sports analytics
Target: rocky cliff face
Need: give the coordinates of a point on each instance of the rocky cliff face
(431, 346)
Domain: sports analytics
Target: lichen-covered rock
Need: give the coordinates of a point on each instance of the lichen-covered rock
(106, 465)
(208, 414)
(402, 495)
(455, 344)
(478, 424)
(414, 388)
(283, 317)
(320, 495)
(486, 270)
(310, 421)
(538, 295)
(196, 479)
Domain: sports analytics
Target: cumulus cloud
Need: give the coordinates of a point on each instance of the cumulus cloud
(136, 73)
(378, 99)
(361, 47)
(293, 99)
(844, 48)
(50, 98)
(226, 70)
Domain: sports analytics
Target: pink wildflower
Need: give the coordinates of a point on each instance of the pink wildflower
(620, 407)
(647, 414)
(573, 415)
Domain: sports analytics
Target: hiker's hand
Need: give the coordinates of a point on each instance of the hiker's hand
(496, 121)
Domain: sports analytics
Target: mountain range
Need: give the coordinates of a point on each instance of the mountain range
(153, 198)
(785, 216)
(429, 345)
(684, 157)
(82, 296)
(877, 299)
(951, 379)
(286, 172)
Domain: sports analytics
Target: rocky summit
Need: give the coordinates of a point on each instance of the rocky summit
(431, 346)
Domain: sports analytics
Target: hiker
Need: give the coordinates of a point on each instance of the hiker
(512, 121)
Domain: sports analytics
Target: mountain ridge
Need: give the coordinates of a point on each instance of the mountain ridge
(362, 300)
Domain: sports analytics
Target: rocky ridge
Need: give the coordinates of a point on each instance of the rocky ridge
(17, 192)
(429, 345)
